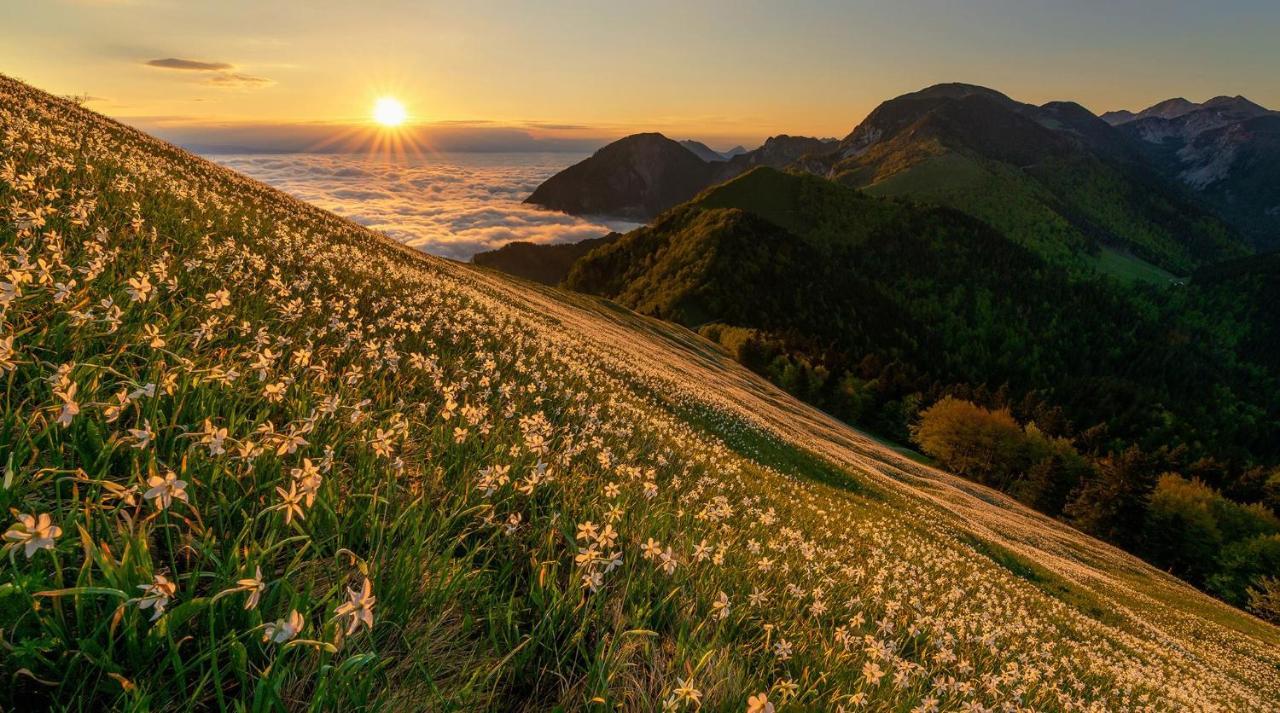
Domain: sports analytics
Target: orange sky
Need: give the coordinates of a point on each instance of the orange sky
(725, 72)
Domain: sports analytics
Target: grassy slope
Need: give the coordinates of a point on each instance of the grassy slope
(1129, 268)
(993, 192)
(402, 377)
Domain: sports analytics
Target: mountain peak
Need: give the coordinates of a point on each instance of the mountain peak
(702, 151)
(634, 177)
(956, 90)
(1179, 107)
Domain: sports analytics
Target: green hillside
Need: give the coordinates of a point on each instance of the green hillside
(884, 302)
(876, 310)
(540, 262)
(1057, 180)
(256, 457)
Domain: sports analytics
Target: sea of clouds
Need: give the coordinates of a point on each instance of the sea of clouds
(453, 205)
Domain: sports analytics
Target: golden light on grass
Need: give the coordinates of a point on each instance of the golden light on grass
(388, 111)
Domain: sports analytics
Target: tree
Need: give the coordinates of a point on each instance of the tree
(970, 440)
(1243, 564)
(1114, 500)
(1181, 531)
(1264, 599)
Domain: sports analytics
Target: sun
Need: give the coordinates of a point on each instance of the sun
(388, 111)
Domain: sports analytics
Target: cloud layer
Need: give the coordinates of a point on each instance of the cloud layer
(188, 64)
(453, 206)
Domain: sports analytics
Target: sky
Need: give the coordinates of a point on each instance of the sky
(566, 75)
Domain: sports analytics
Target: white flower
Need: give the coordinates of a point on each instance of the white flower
(759, 703)
(69, 406)
(720, 607)
(163, 490)
(359, 607)
(214, 438)
(34, 532)
(156, 595)
(139, 288)
(283, 630)
(254, 586)
(6, 354)
(218, 300)
(142, 435)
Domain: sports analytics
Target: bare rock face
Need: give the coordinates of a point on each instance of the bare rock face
(1226, 150)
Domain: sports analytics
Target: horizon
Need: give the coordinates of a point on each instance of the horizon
(548, 77)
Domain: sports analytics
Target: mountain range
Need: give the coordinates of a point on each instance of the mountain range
(1163, 191)
(1224, 150)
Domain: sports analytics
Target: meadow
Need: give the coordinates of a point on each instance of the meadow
(258, 458)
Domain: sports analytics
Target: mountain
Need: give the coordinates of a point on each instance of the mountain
(1174, 108)
(259, 449)
(1225, 150)
(1056, 178)
(702, 151)
(540, 262)
(927, 290)
(636, 177)
(736, 150)
(779, 152)
(640, 176)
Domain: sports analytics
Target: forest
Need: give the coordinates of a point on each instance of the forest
(877, 310)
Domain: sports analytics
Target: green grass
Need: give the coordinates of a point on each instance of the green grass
(457, 444)
(1128, 268)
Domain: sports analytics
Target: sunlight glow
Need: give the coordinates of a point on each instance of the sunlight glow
(388, 111)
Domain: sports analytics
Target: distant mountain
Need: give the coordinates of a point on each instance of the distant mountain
(736, 150)
(640, 176)
(1225, 150)
(636, 177)
(782, 151)
(702, 151)
(1174, 108)
(540, 262)
(1056, 178)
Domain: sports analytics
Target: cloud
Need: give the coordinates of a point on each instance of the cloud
(242, 81)
(454, 206)
(218, 74)
(189, 64)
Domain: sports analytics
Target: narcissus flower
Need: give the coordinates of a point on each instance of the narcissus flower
(164, 489)
(156, 596)
(359, 607)
(284, 630)
(34, 533)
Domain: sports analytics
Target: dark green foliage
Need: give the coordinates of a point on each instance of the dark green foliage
(548, 264)
(1243, 564)
(1181, 525)
(897, 303)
